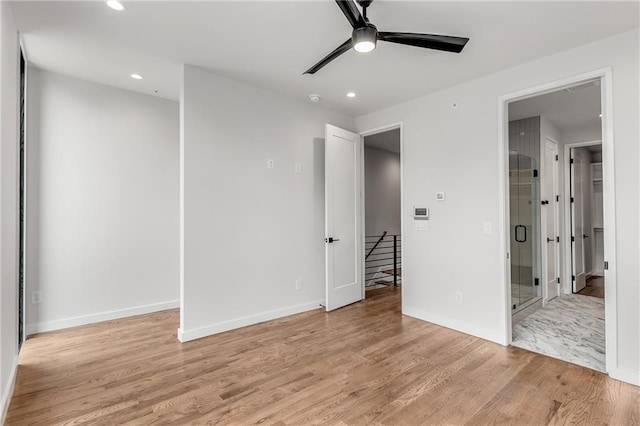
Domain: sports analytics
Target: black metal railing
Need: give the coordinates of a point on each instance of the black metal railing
(383, 262)
(375, 245)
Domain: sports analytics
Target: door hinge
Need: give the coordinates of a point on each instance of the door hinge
(572, 199)
(573, 239)
(573, 277)
(557, 198)
(571, 161)
(535, 172)
(514, 306)
(606, 265)
(536, 281)
(558, 279)
(557, 239)
(556, 157)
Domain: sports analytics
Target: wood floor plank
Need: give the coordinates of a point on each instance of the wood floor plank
(363, 364)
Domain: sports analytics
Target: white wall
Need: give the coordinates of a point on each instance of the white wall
(9, 90)
(249, 232)
(382, 191)
(103, 194)
(456, 150)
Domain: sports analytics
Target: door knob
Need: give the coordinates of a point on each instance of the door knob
(550, 240)
(330, 240)
(584, 236)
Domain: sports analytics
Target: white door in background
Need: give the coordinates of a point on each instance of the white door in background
(343, 255)
(550, 234)
(577, 222)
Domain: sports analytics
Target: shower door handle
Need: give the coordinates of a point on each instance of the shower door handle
(524, 239)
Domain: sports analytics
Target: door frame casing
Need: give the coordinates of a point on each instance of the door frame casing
(363, 134)
(556, 217)
(568, 228)
(606, 87)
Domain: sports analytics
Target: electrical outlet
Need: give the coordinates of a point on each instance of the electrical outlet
(271, 164)
(458, 298)
(299, 284)
(486, 228)
(36, 297)
(298, 168)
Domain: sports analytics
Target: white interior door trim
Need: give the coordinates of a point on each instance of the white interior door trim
(605, 75)
(396, 125)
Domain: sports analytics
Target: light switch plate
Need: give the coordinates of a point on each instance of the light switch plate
(486, 228)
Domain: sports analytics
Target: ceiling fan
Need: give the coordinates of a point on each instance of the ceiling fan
(365, 35)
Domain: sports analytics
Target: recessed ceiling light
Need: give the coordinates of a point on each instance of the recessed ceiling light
(351, 95)
(314, 98)
(136, 76)
(115, 5)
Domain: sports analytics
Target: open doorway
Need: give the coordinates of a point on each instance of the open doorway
(587, 224)
(555, 208)
(382, 210)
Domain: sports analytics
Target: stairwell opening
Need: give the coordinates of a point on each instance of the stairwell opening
(382, 210)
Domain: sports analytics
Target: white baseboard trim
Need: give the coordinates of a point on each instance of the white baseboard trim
(45, 326)
(7, 392)
(197, 333)
(627, 376)
(496, 336)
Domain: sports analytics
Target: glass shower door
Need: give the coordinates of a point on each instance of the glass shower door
(524, 207)
(524, 194)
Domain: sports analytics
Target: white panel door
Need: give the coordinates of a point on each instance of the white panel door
(550, 244)
(342, 217)
(577, 221)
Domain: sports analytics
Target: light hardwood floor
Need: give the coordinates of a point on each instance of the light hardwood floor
(363, 364)
(594, 287)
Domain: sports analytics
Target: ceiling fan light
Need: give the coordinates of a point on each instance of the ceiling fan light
(364, 39)
(364, 46)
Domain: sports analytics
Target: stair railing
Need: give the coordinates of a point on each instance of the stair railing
(383, 259)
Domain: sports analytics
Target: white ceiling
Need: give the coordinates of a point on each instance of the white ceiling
(270, 44)
(567, 109)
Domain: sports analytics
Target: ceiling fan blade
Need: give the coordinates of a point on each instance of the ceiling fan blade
(347, 45)
(428, 41)
(351, 12)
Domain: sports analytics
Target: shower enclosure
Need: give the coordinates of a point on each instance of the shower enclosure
(524, 208)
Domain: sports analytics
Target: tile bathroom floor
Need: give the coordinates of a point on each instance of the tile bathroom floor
(570, 328)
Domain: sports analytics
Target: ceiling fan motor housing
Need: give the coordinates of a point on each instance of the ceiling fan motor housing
(368, 33)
